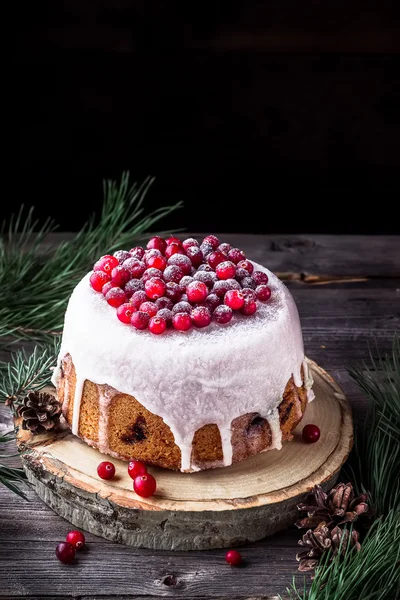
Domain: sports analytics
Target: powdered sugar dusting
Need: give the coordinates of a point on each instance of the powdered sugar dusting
(191, 378)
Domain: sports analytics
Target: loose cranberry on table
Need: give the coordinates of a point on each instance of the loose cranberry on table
(145, 485)
(311, 433)
(233, 558)
(65, 552)
(76, 539)
(106, 470)
(136, 468)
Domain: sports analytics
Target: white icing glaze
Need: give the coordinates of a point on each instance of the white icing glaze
(190, 379)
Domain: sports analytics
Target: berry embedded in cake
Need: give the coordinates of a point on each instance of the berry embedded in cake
(184, 354)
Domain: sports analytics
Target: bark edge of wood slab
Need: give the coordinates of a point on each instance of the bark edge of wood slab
(211, 509)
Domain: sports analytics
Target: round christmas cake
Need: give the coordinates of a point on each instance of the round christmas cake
(185, 355)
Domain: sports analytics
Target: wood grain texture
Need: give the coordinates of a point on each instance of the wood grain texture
(355, 315)
(212, 509)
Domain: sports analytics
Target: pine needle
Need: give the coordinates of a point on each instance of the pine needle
(35, 284)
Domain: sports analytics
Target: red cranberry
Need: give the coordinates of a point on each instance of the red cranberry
(201, 316)
(206, 249)
(247, 265)
(233, 284)
(164, 302)
(158, 243)
(148, 307)
(130, 263)
(173, 240)
(225, 270)
(106, 470)
(263, 292)
(140, 319)
(233, 558)
(136, 468)
(157, 325)
(121, 255)
(152, 252)
(185, 281)
(106, 288)
(215, 258)
(137, 269)
(190, 243)
(158, 262)
(134, 285)
(207, 277)
(115, 297)
(212, 240)
(311, 434)
(234, 299)
(151, 272)
(184, 298)
(182, 307)
(196, 291)
(65, 552)
(220, 288)
(173, 291)
(98, 279)
(222, 314)
(137, 252)
(125, 312)
(236, 255)
(249, 295)
(155, 288)
(248, 282)
(106, 263)
(76, 539)
(204, 267)
(224, 247)
(166, 314)
(260, 277)
(120, 276)
(249, 307)
(181, 261)
(241, 273)
(212, 301)
(144, 485)
(195, 255)
(173, 249)
(173, 273)
(182, 321)
(138, 298)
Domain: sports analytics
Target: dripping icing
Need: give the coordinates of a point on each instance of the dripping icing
(243, 367)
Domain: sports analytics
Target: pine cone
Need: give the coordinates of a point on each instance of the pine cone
(321, 540)
(40, 412)
(338, 507)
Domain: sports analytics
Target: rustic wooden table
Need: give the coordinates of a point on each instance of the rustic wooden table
(347, 290)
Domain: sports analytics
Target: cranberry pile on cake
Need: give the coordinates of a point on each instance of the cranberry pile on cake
(183, 354)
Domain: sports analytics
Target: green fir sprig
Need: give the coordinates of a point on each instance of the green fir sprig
(36, 282)
(27, 372)
(11, 477)
(373, 573)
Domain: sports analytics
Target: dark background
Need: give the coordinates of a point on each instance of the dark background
(262, 117)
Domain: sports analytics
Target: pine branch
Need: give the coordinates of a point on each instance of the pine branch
(375, 462)
(11, 477)
(35, 285)
(27, 372)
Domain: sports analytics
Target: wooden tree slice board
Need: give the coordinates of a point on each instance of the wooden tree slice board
(194, 511)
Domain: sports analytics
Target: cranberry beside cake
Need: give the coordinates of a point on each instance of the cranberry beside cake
(185, 355)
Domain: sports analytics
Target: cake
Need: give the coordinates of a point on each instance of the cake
(181, 355)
